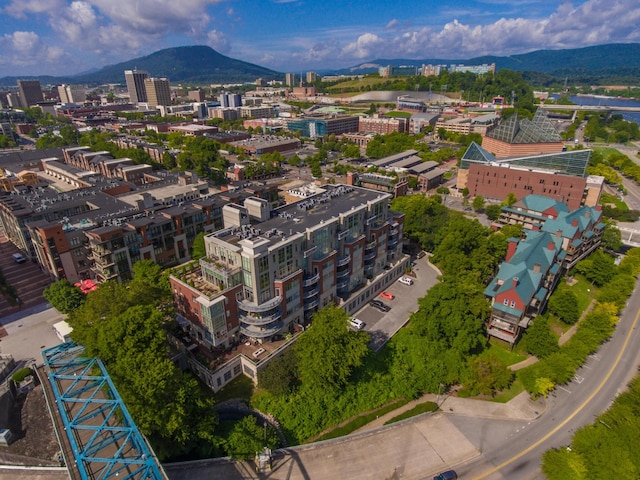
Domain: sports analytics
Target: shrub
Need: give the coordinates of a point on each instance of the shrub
(21, 374)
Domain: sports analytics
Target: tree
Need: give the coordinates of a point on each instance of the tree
(280, 377)
(63, 296)
(598, 268)
(493, 211)
(510, 200)
(478, 203)
(538, 339)
(328, 352)
(247, 437)
(611, 237)
(316, 170)
(564, 304)
(487, 375)
(149, 284)
(198, 250)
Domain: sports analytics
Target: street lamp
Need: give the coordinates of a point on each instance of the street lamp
(438, 396)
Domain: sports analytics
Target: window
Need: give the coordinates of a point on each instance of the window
(506, 301)
(513, 303)
(236, 370)
(227, 376)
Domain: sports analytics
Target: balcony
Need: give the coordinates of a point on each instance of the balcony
(252, 331)
(263, 307)
(259, 321)
(344, 261)
(369, 256)
(311, 293)
(311, 305)
(343, 284)
(393, 241)
(342, 273)
(311, 280)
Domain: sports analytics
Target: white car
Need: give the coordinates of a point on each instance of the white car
(357, 324)
(406, 281)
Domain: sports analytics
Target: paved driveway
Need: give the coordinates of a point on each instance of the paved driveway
(382, 326)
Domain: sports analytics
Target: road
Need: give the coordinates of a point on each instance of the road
(514, 449)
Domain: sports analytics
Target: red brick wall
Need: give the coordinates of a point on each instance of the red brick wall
(498, 182)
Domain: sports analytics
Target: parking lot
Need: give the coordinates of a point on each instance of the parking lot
(382, 326)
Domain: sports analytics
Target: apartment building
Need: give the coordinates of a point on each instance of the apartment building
(557, 239)
(382, 125)
(30, 93)
(158, 91)
(266, 272)
(135, 85)
(323, 125)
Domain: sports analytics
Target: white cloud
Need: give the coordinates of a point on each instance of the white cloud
(218, 41)
(23, 8)
(25, 49)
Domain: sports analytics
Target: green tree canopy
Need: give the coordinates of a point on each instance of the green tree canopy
(328, 352)
(63, 296)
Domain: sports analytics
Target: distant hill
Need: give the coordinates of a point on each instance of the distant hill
(613, 59)
(195, 64)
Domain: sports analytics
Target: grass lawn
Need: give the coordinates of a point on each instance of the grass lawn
(503, 397)
(361, 421)
(584, 290)
(240, 387)
(356, 83)
(397, 114)
(607, 198)
(417, 410)
(501, 350)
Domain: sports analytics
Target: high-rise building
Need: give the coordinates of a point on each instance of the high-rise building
(30, 92)
(72, 94)
(196, 95)
(311, 77)
(290, 79)
(158, 91)
(135, 85)
(230, 100)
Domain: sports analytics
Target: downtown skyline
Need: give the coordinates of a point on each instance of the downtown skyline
(62, 37)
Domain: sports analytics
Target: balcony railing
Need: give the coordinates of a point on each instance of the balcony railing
(264, 320)
(252, 331)
(310, 305)
(311, 280)
(342, 285)
(263, 307)
(344, 261)
(342, 273)
(311, 293)
(370, 256)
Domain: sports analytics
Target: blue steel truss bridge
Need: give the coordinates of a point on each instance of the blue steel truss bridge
(98, 437)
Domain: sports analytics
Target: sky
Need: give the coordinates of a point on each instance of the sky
(62, 37)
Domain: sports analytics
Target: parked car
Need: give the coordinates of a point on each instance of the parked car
(356, 323)
(448, 475)
(387, 295)
(383, 307)
(406, 281)
(19, 258)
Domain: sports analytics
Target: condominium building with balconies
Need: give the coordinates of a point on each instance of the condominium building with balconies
(266, 272)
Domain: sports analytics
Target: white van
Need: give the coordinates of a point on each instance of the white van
(357, 324)
(406, 281)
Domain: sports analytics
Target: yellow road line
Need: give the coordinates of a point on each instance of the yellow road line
(576, 411)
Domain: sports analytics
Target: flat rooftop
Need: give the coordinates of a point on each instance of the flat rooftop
(297, 217)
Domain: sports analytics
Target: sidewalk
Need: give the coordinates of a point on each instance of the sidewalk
(521, 407)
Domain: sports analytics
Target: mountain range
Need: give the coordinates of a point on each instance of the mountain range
(201, 64)
(611, 58)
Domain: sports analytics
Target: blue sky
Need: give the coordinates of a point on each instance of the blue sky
(58, 37)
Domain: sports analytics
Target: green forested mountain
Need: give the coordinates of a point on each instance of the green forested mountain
(195, 64)
(600, 61)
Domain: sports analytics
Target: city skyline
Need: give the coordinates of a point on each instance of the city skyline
(62, 37)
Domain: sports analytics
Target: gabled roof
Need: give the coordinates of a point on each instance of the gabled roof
(584, 218)
(540, 204)
(527, 267)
